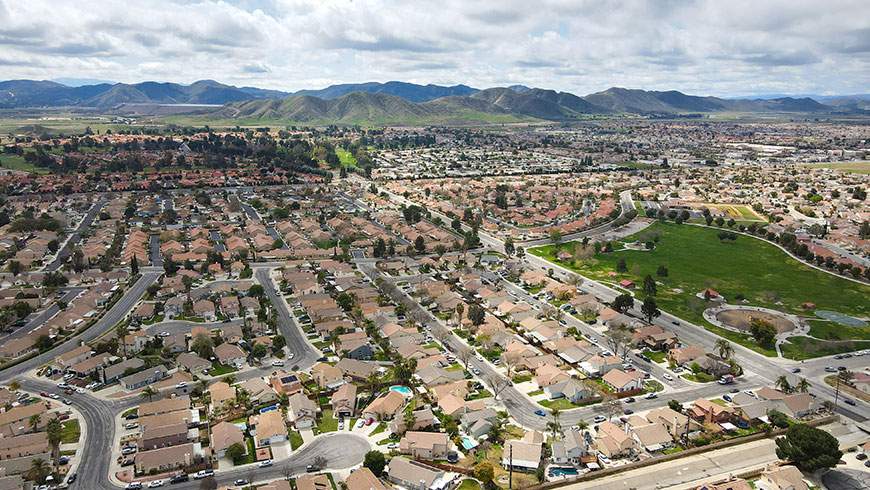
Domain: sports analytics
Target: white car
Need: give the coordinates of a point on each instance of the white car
(156, 483)
(341, 425)
(54, 396)
(277, 363)
(360, 423)
(181, 385)
(393, 445)
(668, 377)
(164, 334)
(599, 418)
(80, 390)
(265, 464)
(199, 475)
(134, 485)
(291, 355)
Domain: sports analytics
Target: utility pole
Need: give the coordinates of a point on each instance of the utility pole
(511, 467)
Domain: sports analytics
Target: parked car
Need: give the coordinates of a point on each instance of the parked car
(540, 413)
(179, 478)
(240, 482)
(156, 484)
(599, 418)
(199, 475)
(629, 400)
(650, 396)
(134, 485)
(265, 464)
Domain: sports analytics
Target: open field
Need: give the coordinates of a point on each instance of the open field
(55, 124)
(746, 268)
(849, 167)
(16, 162)
(739, 212)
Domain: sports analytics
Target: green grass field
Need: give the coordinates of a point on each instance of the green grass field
(70, 432)
(16, 162)
(346, 158)
(747, 267)
(849, 167)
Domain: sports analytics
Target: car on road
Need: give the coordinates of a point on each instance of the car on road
(134, 485)
(849, 401)
(66, 401)
(599, 418)
(199, 475)
(650, 396)
(277, 363)
(540, 413)
(629, 400)
(311, 468)
(156, 484)
(54, 396)
(164, 334)
(71, 478)
(795, 370)
(393, 445)
(265, 464)
(830, 369)
(727, 397)
(293, 354)
(179, 478)
(475, 371)
(240, 482)
(628, 411)
(668, 377)
(181, 385)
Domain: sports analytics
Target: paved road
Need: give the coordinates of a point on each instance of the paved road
(218, 241)
(277, 236)
(38, 318)
(117, 313)
(297, 343)
(75, 237)
(154, 251)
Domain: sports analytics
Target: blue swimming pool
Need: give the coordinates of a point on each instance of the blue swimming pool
(468, 443)
(562, 471)
(404, 390)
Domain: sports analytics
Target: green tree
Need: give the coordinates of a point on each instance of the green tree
(778, 418)
(134, 265)
(485, 473)
(148, 392)
(256, 291)
(622, 303)
(763, 332)
(236, 451)
(649, 285)
(621, 266)
(650, 309)
(203, 346)
(724, 348)
(662, 271)
(675, 406)
(783, 384)
(476, 314)
(420, 244)
(375, 462)
(809, 448)
(39, 470)
(54, 432)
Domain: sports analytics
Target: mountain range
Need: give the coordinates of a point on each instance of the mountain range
(399, 102)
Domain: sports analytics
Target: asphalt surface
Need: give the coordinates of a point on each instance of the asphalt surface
(305, 355)
(154, 251)
(218, 241)
(75, 237)
(37, 319)
(183, 326)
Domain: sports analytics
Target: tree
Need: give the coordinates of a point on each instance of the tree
(778, 419)
(34, 421)
(375, 461)
(809, 448)
(763, 332)
(724, 348)
(675, 406)
(649, 285)
(236, 451)
(497, 383)
(619, 341)
(203, 346)
(623, 303)
(783, 384)
(15, 267)
(485, 473)
(169, 265)
(420, 244)
(39, 470)
(650, 309)
(509, 246)
(476, 314)
(621, 266)
(803, 385)
(662, 271)
(148, 392)
(553, 425)
(134, 265)
(256, 291)
(556, 236)
(460, 308)
(464, 355)
(259, 351)
(54, 432)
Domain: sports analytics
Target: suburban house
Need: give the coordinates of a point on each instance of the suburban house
(143, 378)
(230, 355)
(302, 411)
(224, 435)
(523, 454)
(425, 445)
(415, 475)
(622, 381)
(385, 407)
(169, 458)
(269, 428)
(343, 401)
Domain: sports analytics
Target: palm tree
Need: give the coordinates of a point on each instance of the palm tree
(460, 308)
(148, 393)
(33, 421)
(724, 348)
(39, 469)
(120, 332)
(14, 386)
(783, 384)
(554, 426)
(230, 379)
(803, 385)
(54, 431)
(582, 424)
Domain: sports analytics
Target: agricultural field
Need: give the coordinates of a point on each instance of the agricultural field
(745, 270)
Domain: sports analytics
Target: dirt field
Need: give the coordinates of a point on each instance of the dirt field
(740, 319)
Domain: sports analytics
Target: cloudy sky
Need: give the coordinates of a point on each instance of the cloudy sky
(716, 47)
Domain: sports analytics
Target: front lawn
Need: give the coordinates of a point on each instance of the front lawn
(218, 369)
(295, 439)
(700, 377)
(71, 432)
(656, 356)
(327, 422)
(469, 485)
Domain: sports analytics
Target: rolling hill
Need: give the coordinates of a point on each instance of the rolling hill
(407, 91)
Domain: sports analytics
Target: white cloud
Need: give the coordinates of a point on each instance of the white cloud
(701, 46)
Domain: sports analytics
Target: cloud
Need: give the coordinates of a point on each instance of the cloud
(581, 46)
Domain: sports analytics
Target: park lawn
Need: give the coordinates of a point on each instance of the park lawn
(70, 432)
(848, 167)
(828, 330)
(697, 259)
(800, 348)
(17, 162)
(346, 158)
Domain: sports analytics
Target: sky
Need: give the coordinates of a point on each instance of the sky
(718, 47)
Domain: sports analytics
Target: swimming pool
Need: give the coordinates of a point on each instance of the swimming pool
(562, 471)
(404, 390)
(468, 443)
